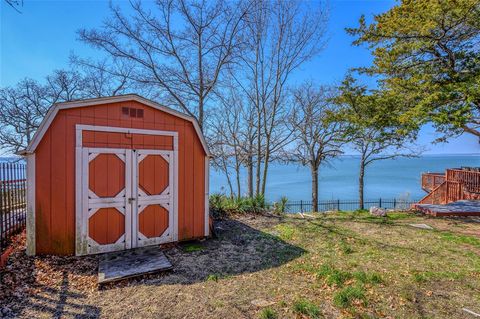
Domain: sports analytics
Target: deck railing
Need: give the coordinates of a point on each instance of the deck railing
(468, 178)
(13, 187)
(431, 180)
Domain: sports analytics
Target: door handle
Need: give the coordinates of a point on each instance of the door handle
(131, 199)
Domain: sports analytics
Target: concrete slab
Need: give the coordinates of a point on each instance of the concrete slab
(421, 226)
(131, 263)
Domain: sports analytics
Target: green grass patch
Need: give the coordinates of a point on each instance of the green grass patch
(190, 248)
(217, 277)
(346, 248)
(425, 276)
(460, 239)
(345, 297)
(268, 313)
(333, 276)
(286, 232)
(305, 307)
(367, 278)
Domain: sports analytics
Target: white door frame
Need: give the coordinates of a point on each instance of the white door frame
(82, 242)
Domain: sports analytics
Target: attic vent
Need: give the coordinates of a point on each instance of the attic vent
(132, 112)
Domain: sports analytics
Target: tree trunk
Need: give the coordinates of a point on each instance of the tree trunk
(259, 156)
(201, 84)
(265, 171)
(237, 172)
(361, 183)
(250, 175)
(314, 171)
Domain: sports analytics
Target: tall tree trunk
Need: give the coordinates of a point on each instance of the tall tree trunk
(200, 113)
(361, 183)
(314, 171)
(265, 169)
(259, 154)
(237, 172)
(201, 86)
(250, 175)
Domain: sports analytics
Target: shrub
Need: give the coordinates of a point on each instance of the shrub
(305, 307)
(268, 313)
(222, 205)
(347, 295)
(281, 205)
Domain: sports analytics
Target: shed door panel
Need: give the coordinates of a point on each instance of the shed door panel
(154, 186)
(128, 199)
(107, 185)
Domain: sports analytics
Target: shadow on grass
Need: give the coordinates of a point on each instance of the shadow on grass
(60, 302)
(237, 249)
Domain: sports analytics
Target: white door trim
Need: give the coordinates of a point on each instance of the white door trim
(81, 183)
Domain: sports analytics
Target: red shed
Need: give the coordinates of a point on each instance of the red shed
(115, 173)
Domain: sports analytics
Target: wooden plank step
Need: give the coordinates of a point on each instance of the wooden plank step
(131, 263)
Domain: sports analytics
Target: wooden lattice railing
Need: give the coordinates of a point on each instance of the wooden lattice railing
(432, 180)
(447, 192)
(469, 179)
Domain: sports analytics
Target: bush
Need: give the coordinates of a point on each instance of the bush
(281, 205)
(222, 205)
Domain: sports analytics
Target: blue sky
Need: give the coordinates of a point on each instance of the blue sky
(41, 38)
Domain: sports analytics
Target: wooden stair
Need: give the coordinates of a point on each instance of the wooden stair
(444, 191)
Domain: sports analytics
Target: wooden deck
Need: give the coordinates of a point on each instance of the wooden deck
(454, 185)
(458, 208)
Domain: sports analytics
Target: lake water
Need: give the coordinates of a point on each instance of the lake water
(397, 178)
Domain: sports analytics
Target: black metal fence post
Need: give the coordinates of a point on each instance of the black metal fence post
(380, 202)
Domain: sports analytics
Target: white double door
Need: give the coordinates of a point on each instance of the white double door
(128, 198)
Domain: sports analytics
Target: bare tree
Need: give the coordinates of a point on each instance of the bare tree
(104, 78)
(319, 136)
(64, 85)
(21, 110)
(23, 107)
(280, 36)
(181, 48)
(231, 126)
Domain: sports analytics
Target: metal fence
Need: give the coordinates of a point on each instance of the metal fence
(301, 206)
(13, 186)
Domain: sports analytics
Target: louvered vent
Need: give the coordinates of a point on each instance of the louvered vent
(132, 112)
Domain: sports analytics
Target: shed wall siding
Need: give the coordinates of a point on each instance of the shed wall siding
(55, 169)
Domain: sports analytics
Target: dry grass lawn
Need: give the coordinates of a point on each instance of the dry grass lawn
(338, 265)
